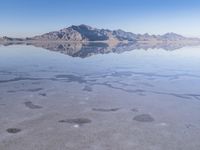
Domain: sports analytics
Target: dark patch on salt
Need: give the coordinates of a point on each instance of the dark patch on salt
(105, 110)
(19, 79)
(71, 78)
(122, 74)
(32, 106)
(87, 88)
(13, 130)
(188, 126)
(143, 118)
(42, 94)
(34, 90)
(36, 83)
(134, 110)
(79, 121)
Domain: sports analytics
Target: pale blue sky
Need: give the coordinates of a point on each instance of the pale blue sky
(21, 18)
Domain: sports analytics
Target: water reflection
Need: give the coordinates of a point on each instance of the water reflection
(83, 50)
(47, 93)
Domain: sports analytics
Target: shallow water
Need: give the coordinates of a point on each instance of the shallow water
(135, 99)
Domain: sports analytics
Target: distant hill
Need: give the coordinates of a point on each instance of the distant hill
(85, 33)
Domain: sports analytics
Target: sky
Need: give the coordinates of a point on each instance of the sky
(25, 18)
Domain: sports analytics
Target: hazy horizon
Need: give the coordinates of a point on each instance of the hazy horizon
(21, 18)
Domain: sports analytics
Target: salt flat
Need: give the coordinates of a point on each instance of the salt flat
(143, 100)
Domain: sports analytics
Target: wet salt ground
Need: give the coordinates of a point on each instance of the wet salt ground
(109, 115)
(107, 108)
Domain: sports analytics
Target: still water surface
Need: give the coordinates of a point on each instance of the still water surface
(96, 100)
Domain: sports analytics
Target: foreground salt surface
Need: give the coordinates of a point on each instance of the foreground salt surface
(143, 100)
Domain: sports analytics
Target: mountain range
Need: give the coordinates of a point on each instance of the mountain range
(85, 33)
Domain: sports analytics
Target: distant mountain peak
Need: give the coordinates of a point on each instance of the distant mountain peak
(85, 26)
(85, 33)
(82, 26)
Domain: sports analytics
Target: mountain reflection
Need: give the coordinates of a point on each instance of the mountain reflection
(83, 50)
